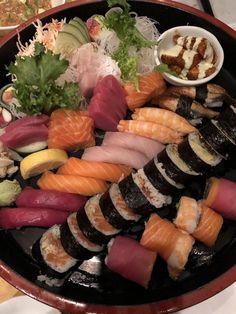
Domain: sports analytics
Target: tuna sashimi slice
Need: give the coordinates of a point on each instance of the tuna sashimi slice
(147, 146)
(116, 155)
(136, 266)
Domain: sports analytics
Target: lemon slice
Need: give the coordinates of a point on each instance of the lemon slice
(41, 161)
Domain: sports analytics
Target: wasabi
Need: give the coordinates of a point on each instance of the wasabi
(9, 190)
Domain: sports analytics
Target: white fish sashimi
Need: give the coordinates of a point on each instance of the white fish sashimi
(146, 146)
(116, 155)
(92, 63)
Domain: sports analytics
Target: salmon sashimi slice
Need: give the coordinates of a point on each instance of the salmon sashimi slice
(155, 131)
(94, 169)
(150, 85)
(70, 130)
(163, 117)
(188, 214)
(209, 226)
(96, 217)
(71, 184)
(173, 245)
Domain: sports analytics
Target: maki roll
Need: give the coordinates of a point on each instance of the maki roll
(115, 210)
(156, 174)
(133, 196)
(215, 136)
(54, 261)
(93, 224)
(197, 154)
(175, 167)
(74, 242)
(227, 120)
(153, 195)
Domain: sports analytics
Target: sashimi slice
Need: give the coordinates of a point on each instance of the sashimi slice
(150, 85)
(116, 155)
(71, 184)
(99, 170)
(70, 130)
(108, 105)
(147, 146)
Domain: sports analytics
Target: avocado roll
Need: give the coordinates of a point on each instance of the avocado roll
(133, 196)
(153, 195)
(157, 176)
(197, 154)
(54, 261)
(227, 120)
(74, 242)
(93, 224)
(175, 167)
(214, 135)
(115, 209)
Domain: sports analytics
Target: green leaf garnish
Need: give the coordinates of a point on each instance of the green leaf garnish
(164, 68)
(122, 3)
(35, 86)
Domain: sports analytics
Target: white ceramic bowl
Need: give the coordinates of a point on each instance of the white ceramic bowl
(166, 42)
(6, 29)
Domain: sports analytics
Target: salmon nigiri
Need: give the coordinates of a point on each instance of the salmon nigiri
(70, 130)
(150, 85)
(164, 117)
(155, 131)
(209, 226)
(71, 184)
(94, 169)
(173, 245)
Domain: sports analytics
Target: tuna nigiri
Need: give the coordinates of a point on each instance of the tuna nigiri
(70, 130)
(163, 117)
(71, 184)
(116, 155)
(151, 130)
(94, 169)
(150, 85)
(144, 145)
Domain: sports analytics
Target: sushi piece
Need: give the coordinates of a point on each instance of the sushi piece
(115, 209)
(188, 214)
(185, 107)
(51, 256)
(93, 224)
(116, 155)
(197, 154)
(74, 242)
(142, 144)
(94, 169)
(227, 121)
(164, 117)
(153, 195)
(150, 130)
(133, 196)
(220, 194)
(209, 225)
(71, 184)
(210, 95)
(173, 245)
(70, 130)
(137, 266)
(157, 176)
(175, 167)
(150, 85)
(214, 135)
(107, 105)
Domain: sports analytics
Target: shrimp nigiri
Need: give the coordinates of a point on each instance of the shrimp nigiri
(164, 117)
(152, 130)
